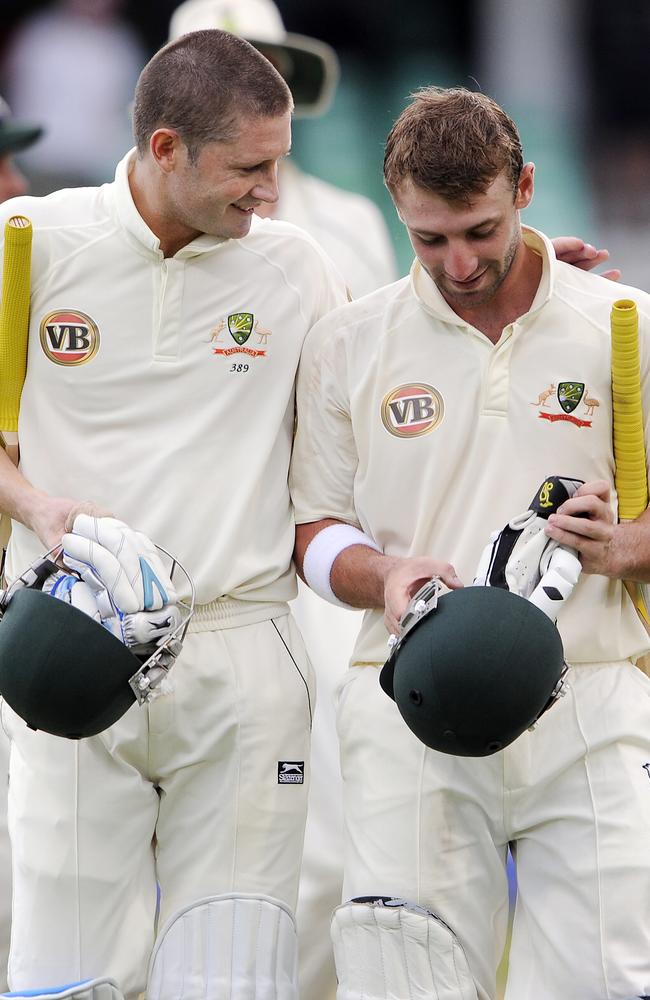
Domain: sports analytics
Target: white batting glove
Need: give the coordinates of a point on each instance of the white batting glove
(73, 591)
(146, 628)
(115, 559)
(523, 559)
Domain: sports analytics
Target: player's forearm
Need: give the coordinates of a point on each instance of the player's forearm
(18, 498)
(358, 576)
(630, 550)
(43, 514)
(358, 573)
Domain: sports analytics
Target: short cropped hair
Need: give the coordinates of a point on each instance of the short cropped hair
(203, 85)
(452, 142)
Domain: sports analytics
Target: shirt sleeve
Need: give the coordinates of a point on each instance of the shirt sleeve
(333, 291)
(324, 461)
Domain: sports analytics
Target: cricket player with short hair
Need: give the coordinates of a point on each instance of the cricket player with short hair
(166, 327)
(424, 425)
(349, 227)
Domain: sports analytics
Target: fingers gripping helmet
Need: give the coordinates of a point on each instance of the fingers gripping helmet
(473, 669)
(62, 671)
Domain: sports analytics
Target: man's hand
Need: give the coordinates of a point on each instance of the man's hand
(50, 517)
(586, 523)
(405, 578)
(572, 250)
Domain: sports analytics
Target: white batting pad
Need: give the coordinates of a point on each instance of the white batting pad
(226, 947)
(389, 949)
(89, 989)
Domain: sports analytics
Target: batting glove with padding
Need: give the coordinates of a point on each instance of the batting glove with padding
(119, 563)
(146, 627)
(140, 630)
(523, 559)
(68, 587)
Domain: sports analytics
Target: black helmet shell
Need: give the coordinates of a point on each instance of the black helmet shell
(61, 671)
(476, 671)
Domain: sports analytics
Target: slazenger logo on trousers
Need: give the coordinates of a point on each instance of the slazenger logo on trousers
(69, 337)
(291, 772)
(412, 409)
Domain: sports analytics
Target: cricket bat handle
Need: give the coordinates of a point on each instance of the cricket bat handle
(14, 326)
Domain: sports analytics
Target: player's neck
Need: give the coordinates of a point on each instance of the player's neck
(512, 299)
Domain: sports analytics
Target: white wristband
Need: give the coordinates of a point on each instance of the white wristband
(321, 553)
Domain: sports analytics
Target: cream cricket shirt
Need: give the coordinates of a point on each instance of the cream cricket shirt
(413, 425)
(163, 389)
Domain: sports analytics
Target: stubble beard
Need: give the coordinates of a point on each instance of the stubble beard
(474, 300)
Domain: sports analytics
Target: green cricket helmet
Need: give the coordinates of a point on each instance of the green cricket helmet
(61, 670)
(473, 669)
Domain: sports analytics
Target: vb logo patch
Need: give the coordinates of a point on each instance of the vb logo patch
(412, 409)
(69, 337)
(240, 326)
(291, 772)
(559, 403)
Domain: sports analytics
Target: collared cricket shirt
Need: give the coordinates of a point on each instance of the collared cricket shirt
(162, 389)
(414, 426)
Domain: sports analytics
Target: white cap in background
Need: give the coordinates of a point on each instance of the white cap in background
(310, 67)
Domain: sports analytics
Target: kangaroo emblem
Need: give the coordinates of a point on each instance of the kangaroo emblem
(543, 396)
(216, 331)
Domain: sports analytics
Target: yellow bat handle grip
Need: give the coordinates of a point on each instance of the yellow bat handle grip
(14, 318)
(629, 445)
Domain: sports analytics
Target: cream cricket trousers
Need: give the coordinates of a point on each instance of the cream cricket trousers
(190, 792)
(572, 796)
(329, 633)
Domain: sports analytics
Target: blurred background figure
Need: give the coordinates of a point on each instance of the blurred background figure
(73, 66)
(15, 137)
(348, 226)
(352, 230)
